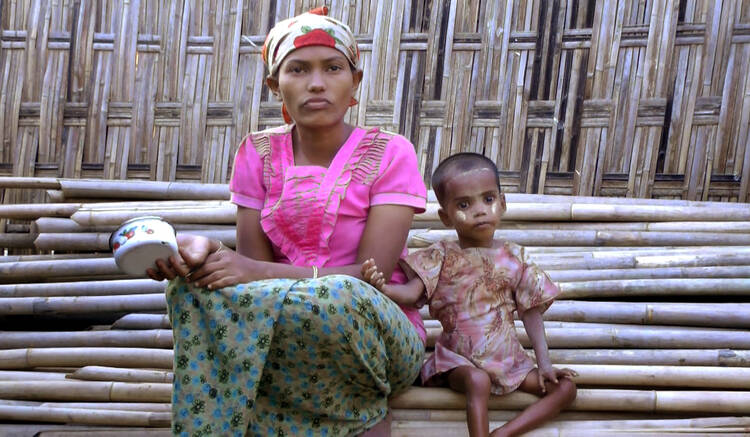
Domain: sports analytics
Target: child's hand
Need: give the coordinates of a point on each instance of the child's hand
(553, 374)
(371, 274)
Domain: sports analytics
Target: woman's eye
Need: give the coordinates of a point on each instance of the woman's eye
(334, 68)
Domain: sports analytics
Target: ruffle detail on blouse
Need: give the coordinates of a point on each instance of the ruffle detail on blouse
(365, 162)
(311, 207)
(285, 230)
(367, 155)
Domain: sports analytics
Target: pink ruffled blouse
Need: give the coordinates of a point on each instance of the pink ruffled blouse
(316, 216)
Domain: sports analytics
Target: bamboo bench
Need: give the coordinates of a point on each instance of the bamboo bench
(654, 316)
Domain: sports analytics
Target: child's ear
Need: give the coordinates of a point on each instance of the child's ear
(445, 218)
(503, 205)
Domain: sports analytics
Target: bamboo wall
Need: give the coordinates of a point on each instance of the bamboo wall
(637, 98)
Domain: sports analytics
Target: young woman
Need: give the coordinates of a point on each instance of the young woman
(281, 337)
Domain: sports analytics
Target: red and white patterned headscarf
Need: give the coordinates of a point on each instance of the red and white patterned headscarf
(312, 28)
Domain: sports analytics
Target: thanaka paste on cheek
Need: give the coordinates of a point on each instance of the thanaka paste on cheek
(461, 216)
(494, 208)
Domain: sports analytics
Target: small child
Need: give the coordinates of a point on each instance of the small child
(473, 286)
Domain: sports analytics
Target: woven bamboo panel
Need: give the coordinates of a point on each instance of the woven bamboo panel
(637, 98)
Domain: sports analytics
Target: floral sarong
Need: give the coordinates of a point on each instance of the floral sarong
(287, 357)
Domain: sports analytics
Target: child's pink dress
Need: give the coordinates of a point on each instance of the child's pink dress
(473, 292)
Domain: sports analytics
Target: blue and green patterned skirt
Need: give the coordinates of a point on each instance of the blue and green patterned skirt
(283, 357)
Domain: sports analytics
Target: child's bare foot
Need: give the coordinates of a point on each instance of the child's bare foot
(371, 274)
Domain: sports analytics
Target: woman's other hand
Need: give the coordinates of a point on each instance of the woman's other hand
(192, 253)
(223, 268)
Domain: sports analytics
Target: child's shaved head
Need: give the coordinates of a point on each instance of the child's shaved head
(458, 163)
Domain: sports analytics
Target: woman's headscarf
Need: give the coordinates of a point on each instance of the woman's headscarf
(312, 28)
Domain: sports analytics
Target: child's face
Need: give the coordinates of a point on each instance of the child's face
(473, 206)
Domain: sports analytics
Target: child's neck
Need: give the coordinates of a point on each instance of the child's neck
(467, 243)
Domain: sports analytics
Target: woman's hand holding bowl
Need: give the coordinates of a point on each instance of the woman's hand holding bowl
(206, 263)
(192, 253)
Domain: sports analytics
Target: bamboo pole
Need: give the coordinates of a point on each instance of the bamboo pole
(656, 287)
(76, 415)
(101, 373)
(82, 304)
(717, 315)
(657, 357)
(603, 251)
(130, 357)
(17, 241)
(69, 430)
(651, 273)
(34, 211)
(644, 337)
(29, 182)
(93, 241)
(49, 257)
(83, 288)
(734, 378)
(52, 225)
(594, 262)
(642, 213)
(109, 432)
(552, 237)
(724, 402)
(123, 406)
(142, 321)
(143, 189)
(156, 338)
(87, 391)
(225, 213)
(15, 375)
(36, 270)
(554, 252)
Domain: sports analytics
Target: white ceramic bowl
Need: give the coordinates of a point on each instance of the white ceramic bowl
(140, 241)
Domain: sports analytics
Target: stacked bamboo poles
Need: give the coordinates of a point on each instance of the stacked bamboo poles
(654, 307)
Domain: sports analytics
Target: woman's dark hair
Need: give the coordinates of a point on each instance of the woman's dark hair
(460, 162)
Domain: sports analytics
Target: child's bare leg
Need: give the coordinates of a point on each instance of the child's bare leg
(558, 396)
(475, 384)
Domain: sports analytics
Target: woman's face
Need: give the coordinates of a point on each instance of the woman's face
(316, 84)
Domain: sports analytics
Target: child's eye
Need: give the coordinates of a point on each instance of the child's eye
(462, 205)
(489, 199)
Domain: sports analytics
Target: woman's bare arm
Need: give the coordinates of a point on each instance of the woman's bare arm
(385, 236)
(383, 240)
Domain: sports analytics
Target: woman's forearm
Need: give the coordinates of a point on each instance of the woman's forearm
(273, 270)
